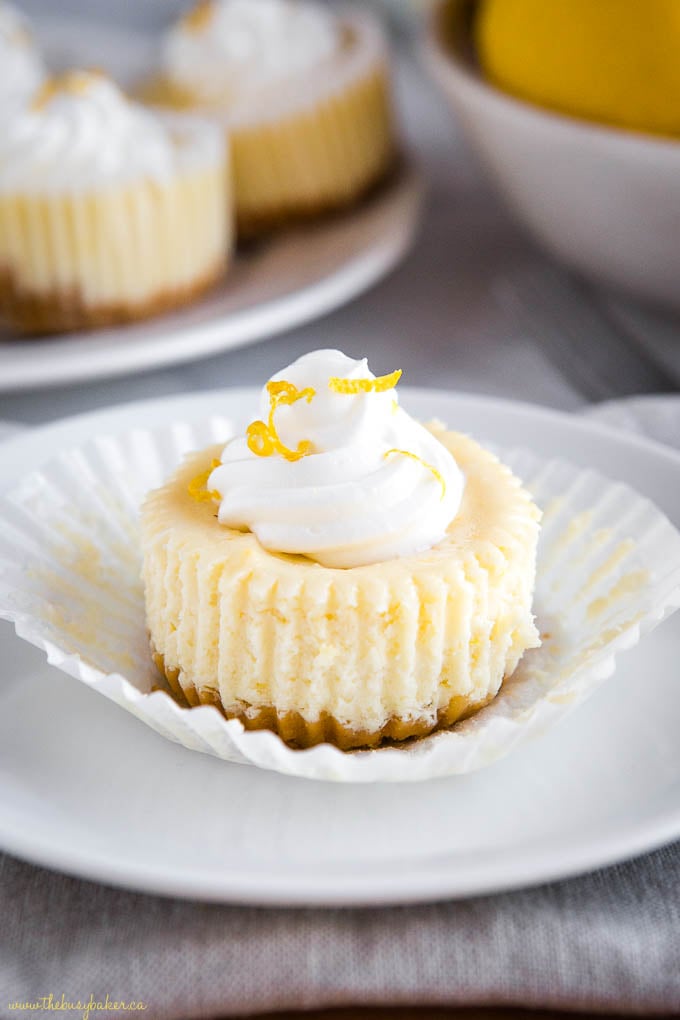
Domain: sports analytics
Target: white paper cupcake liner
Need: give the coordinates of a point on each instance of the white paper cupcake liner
(608, 571)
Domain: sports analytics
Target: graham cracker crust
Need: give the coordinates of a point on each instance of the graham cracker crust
(36, 313)
(298, 732)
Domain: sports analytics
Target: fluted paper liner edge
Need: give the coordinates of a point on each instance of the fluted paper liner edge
(608, 572)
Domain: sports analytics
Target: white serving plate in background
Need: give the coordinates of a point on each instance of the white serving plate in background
(273, 286)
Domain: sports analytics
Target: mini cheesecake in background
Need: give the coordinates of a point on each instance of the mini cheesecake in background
(108, 212)
(302, 92)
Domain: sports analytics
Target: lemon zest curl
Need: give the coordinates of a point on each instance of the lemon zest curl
(262, 437)
(378, 385)
(200, 16)
(197, 486)
(69, 82)
(430, 467)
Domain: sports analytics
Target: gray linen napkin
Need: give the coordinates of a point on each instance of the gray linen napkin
(606, 941)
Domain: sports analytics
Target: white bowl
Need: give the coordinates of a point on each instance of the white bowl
(605, 200)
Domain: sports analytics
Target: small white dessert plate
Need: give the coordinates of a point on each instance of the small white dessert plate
(656, 416)
(87, 789)
(275, 285)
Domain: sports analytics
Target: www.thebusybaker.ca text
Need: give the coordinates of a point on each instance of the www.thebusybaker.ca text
(84, 1007)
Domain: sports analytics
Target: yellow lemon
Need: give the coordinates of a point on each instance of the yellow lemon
(615, 61)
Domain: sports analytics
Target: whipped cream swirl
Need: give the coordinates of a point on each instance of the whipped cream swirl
(80, 131)
(345, 477)
(21, 68)
(231, 50)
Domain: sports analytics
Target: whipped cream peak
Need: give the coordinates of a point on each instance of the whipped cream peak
(21, 67)
(70, 83)
(80, 131)
(334, 469)
(233, 49)
(14, 27)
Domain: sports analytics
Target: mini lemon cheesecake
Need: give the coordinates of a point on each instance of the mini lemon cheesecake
(302, 92)
(21, 66)
(340, 572)
(108, 212)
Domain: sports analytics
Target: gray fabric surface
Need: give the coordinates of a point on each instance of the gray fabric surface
(607, 941)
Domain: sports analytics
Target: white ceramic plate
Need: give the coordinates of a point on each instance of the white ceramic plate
(87, 789)
(656, 415)
(277, 285)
